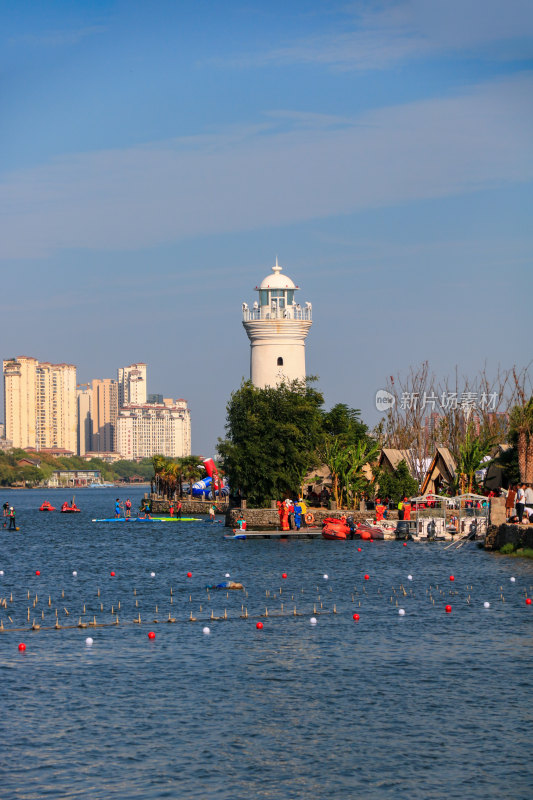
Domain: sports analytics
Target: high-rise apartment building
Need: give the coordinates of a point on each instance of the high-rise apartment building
(20, 409)
(40, 403)
(154, 429)
(85, 423)
(132, 385)
(104, 415)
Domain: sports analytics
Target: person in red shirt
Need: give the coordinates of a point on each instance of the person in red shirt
(380, 510)
(406, 508)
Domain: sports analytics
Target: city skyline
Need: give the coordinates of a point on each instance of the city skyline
(381, 150)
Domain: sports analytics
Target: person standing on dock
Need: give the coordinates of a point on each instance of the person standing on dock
(400, 509)
(520, 502)
(297, 515)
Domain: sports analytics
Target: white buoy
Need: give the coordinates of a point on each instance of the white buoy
(1, 571)
(74, 573)
(511, 579)
(313, 620)
(89, 641)
(401, 612)
(326, 577)
(152, 574)
(409, 577)
(226, 575)
(206, 630)
(486, 604)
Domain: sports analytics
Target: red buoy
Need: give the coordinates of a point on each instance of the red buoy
(37, 572)
(452, 578)
(151, 635)
(405, 544)
(284, 575)
(22, 647)
(448, 609)
(189, 574)
(259, 625)
(367, 577)
(358, 549)
(528, 601)
(356, 617)
(112, 574)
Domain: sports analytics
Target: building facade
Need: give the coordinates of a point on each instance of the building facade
(277, 327)
(40, 404)
(132, 385)
(154, 429)
(104, 415)
(85, 421)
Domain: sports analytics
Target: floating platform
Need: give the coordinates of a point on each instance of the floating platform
(301, 534)
(149, 519)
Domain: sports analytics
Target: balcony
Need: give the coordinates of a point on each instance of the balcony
(294, 311)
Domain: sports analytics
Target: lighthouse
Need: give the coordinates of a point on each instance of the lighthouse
(277, 326)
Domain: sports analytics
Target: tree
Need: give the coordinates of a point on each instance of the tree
(397, 485)
(521, 436)
(191, 470)
(473, 453)
(272, 436)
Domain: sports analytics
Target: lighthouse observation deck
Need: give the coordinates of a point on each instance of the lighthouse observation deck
(275, 312)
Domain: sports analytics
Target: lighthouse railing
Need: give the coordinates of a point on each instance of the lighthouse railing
(295, 312)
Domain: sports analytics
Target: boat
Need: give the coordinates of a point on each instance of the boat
(47, 506)
(366, 531)
(338, 529)
(70, 509)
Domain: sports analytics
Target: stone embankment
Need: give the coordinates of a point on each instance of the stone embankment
(269, 518)
(188, 507)
(518, 535)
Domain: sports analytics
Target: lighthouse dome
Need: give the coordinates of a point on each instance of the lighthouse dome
(275, 280)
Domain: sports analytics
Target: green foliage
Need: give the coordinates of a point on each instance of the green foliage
(272, 438)
(12, 472)
(344, 424)
(472, 454)
(507, 549)
(397, 485)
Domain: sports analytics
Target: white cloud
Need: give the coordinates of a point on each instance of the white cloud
(378, 35)
(254, 178)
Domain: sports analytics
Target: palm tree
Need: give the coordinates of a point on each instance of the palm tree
(521, 434)
(473, 454)
(159, 463)
(191, 470)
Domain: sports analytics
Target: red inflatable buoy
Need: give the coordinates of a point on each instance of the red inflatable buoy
(189, 574)
(405, 544)
(359, 549)
(37, 572)
(284, 575)
(367, 577)
(151, 635)
(259, 625)
(452, 578)
(356, 617)
(22, 647)
(112, 574)
(528, 601)
(448, 609)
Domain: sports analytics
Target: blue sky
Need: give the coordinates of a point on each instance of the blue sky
(156, 157)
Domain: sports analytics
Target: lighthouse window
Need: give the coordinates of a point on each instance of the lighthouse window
(290, 296)
(263, 295)
(280, 362)
(278, 297)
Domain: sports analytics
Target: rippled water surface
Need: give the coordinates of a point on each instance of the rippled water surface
(426, 705)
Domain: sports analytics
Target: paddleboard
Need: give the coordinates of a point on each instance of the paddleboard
(235, 536)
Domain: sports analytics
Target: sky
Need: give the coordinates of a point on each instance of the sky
(156, 157)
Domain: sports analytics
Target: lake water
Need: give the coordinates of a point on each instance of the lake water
(426, 705)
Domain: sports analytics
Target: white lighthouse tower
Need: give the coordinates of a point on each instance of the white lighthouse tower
(276, 326)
